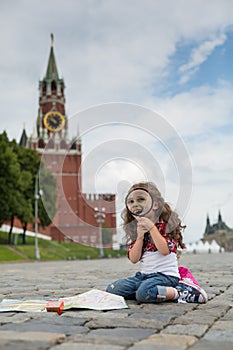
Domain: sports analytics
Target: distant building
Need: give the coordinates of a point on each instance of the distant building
(219, 232)
(220, 225)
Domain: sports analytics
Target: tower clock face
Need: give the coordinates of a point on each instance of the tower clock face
(54, 121)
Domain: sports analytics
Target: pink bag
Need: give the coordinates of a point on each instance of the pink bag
(185, 274)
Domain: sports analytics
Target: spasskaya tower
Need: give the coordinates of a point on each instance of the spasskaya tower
(75, 216)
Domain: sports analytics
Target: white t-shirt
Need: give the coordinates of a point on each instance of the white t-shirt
(152, 262)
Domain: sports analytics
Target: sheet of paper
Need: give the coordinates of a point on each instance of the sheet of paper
(25, 306)
(96, 300)
(93, 299)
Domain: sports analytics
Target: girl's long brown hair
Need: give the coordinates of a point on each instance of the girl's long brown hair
(173, 223)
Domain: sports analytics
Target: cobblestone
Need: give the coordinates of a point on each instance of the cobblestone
(165, 326)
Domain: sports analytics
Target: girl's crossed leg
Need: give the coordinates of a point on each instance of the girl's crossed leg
(151, 288)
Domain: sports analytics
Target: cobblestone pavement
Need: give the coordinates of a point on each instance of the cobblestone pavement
(141, 327)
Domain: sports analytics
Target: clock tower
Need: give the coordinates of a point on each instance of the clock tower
(75, 217)
(51, 124)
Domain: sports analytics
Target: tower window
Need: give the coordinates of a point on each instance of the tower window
(54, 86)
(44, 87)
(41, 143)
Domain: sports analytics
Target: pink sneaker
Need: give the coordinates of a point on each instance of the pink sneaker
(185, 274)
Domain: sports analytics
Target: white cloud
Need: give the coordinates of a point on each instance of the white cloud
(213, 159)
(200, 55)
(197, 110)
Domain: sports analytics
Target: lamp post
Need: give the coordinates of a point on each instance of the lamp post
(37, 196)
(100, 215)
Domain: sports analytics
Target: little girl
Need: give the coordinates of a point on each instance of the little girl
(154, 232)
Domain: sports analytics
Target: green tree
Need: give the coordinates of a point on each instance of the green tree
(10, 185)
(18, 170)
(29, 162)
(32, 165)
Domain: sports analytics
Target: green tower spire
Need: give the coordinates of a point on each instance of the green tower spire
(52, 72)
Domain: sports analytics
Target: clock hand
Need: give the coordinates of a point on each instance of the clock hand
(53, 119)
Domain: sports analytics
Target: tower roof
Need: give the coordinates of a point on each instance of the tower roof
(23, 139)
(52, 72)
(219, 216)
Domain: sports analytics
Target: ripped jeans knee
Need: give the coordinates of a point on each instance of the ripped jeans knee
(155, 294)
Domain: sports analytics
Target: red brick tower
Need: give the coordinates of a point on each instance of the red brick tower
(75, 217)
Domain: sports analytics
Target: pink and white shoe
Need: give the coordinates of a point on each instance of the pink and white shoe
(191, 293)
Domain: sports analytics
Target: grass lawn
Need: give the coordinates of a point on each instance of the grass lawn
(7, 255)
(50, 250)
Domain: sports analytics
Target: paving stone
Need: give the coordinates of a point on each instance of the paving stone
(48, 337)
(190, 329)
(86, 346)
(220, 335)
(223, 325)
(163, 317)
(126, 323)
(211, 345)
(6, 318)
(215, 310)
(153, 347)
(166, 313)
(165, 341)
(195, 317)
(23, 345)
(228, 315)
(34, 326)
(116, 336)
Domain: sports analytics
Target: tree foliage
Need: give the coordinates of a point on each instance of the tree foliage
(10, 186)
(18, 170)
(29, 162)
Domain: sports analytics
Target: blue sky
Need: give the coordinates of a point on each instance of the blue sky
(170, 57)
(215, 67)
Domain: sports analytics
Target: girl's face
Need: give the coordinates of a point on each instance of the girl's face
(139, 202)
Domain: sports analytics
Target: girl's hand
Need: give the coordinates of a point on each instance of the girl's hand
(140, 231)
(144, 224)
(158, 239)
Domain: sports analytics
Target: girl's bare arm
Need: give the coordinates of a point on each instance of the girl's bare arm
(158, 239)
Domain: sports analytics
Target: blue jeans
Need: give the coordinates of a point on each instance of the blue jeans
(145, 288)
